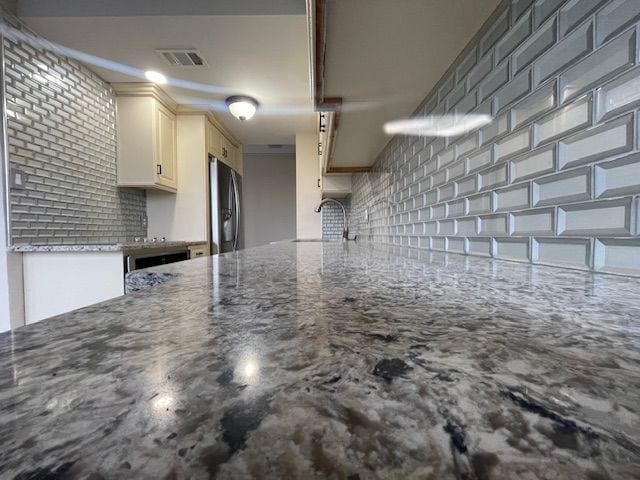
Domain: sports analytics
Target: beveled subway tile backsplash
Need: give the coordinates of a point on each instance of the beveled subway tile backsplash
(555, 178)
(61, 137)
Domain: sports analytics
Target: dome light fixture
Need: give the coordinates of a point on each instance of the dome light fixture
(242, 107)
(155, 77)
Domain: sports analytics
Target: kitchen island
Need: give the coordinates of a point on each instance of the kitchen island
(333, 360)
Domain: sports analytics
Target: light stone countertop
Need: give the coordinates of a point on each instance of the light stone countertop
(114, 247)
(333, 360)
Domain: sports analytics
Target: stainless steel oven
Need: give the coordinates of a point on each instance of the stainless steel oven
(137, 258)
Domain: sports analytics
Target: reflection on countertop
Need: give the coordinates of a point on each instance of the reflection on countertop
(333, 360)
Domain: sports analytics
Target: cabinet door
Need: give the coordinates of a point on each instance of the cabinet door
(215, 141)
(166, 147)
(227, 152)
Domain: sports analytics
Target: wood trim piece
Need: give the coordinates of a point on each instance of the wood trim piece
(143, 89)
(320, 49)
(331, 169)
(204, 110)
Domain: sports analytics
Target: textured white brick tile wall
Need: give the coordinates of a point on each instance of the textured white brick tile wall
(555, 179)
(61, 136)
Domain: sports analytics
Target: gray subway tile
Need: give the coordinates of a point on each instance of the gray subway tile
(517, 88)
(564, 121)
(618, 95)
(466, 186)
(518, 7)
(602, 217)
(601, 65)
(456, 245)
(574, 12)
(456, 95)
(575, 253)
(535, 46)
(511, 198)
(446, 227)
(543, 9)
(514, 144)
(540, 101)
(495, 32)
(540, 221)
(446, 88)
(533, 164)
(563, 54)
(499, 126)
(493, 225)
(516, 35)
(480, 159)
(478, 204)
(616, 255)
(467, 226)
(480, 246)
(467, 104)
(493, 177)
(494, 81)
(570, 186)
(467, 64)
(618, 177)
(512, 248)
(480, 71)
(615, 17)
(597, 143)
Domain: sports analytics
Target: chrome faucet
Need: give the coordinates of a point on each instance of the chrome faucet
(345, 229)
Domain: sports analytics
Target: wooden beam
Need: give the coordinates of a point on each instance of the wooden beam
(320, 49)
(331, 169)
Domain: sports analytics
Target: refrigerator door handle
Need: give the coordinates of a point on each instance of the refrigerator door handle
(237, 208)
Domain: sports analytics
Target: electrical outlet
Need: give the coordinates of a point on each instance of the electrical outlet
(17, 179)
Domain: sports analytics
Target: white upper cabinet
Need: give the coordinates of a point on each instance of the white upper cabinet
(146, 129)
(225, 150)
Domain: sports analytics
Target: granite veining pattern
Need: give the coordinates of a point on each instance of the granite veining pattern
(333, 360)
(113, 247)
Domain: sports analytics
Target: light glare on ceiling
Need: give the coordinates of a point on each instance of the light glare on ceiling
(155, 77)
(242, 107)
(437, 125)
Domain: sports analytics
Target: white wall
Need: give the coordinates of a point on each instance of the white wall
(269, 196)
(308, 194)
(183, 215)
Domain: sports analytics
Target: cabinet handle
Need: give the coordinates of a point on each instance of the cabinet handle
(318, 183)
(159, 169)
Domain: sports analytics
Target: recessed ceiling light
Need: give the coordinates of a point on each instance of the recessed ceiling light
(242, 107)
(437, 125)
(155, 77)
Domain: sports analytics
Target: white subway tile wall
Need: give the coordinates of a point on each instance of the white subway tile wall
(555, 179)
(61, 137)
(333, 219)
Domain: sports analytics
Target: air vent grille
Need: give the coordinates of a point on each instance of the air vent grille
(182, 57)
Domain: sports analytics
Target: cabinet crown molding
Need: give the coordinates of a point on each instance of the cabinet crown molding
(204, 110)
(145, 89)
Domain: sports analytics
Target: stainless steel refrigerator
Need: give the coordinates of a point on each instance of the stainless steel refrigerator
(225, 194)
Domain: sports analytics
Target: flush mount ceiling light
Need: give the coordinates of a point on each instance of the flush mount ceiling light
(437, 125)
(242, 107)
(155, 77)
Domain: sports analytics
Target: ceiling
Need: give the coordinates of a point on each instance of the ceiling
(383, 57)
(251, 47)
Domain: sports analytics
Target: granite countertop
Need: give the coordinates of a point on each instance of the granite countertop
(333, 360)
(108, 247)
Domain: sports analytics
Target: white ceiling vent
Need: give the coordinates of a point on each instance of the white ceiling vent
(182, 57)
